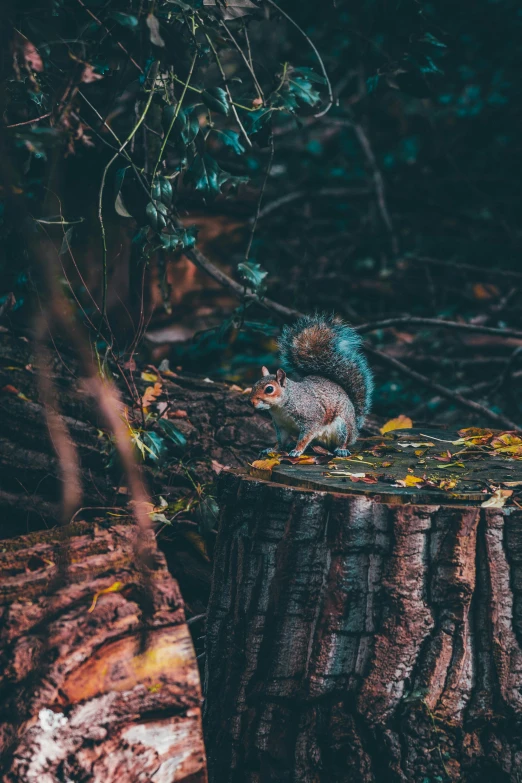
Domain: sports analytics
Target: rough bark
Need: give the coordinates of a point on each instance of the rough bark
(96, 682)
(351, 640)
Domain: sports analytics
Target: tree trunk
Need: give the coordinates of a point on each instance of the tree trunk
(96, 684)
(356, 640)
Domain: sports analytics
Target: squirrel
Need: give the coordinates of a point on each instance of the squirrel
(331, 396)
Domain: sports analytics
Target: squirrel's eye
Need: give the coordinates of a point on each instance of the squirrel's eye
(269, 389)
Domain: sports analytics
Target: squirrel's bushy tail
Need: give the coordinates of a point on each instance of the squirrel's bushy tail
(324, 345)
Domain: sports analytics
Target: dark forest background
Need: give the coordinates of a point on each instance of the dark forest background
(356, 158)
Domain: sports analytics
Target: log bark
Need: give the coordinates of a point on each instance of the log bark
(351, 640)
(96, 684)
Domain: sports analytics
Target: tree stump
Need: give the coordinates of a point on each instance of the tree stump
(364, 632)
(95, 685)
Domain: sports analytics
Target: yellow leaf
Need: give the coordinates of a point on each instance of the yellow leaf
(507, 443)
(497, 499)
(265, 464)
(114, 588)
(474, 436)
(149, 376)
(400, 423)
(412, 481)
(447, 484)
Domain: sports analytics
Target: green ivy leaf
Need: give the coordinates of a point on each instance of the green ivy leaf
(231, 139)
(309, 74)
(185, 237)
(127, 20)
(166, 191)
(186, 124)
(155, 218)
(172, 432)
(430, 39)
(252, 273)
(205, 174)
(255, 120)
(372, 83)
(216, 99)
(155, 446)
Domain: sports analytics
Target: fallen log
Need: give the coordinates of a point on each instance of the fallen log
(360, 631)
(96, 684)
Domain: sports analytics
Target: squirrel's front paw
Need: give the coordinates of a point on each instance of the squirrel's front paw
(342, 452)
(294, 453)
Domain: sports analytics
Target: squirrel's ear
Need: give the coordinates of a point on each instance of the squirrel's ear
(264, 371)
(281, 377)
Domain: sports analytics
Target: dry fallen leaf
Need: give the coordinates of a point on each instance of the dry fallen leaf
(149, 376)
(400, 423)
(507, 443)
(410, 481)
(265, 464)
(447, 484)
(475, 436)
(217, 467)
(498, 499)
(150, 394)
(320, 450)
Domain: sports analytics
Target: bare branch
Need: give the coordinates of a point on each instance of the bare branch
(443, 391)
(410, 320)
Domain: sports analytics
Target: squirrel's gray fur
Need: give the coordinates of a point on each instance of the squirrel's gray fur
(324, 346)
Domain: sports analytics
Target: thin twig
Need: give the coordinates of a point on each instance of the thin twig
(245, 60)
(194, 255)
(104, 27)
(260, 199)
(319, 58)
(288, 198)
(154, 72)
(177, 110)
(378, 181)
(227, 90)
(406, 320)
(29, 122)
(492, 271)
(443, 390)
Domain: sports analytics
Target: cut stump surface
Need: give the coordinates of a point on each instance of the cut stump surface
(362, 632)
